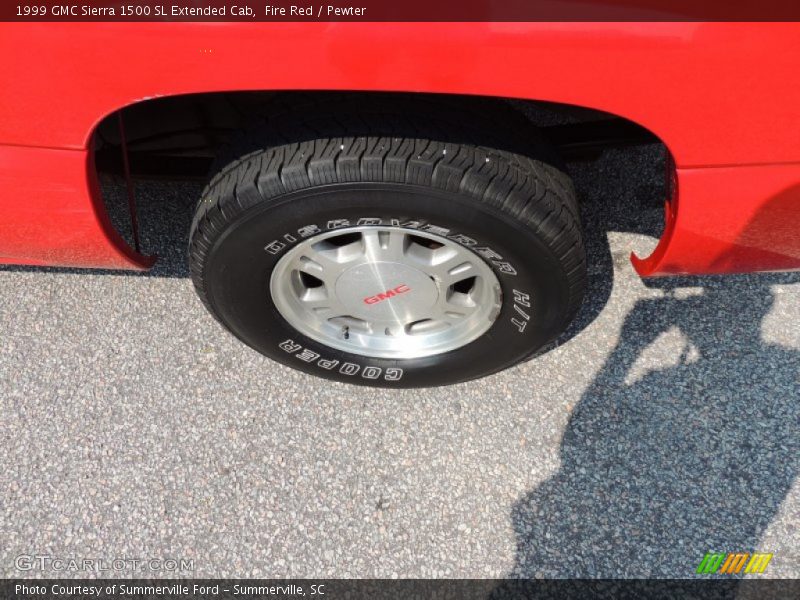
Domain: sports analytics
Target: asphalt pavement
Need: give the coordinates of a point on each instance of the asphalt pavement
(664, 425)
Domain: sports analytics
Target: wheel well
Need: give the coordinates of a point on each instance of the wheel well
(178, 137)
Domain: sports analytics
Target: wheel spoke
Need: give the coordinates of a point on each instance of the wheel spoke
(426, 326)
(308, 265)
(320, 302)
(454, 270)
(393, 243)
(322, 265)
(373, 249)
(452, 309)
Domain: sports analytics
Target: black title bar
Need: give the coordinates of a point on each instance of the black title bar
(400, 10)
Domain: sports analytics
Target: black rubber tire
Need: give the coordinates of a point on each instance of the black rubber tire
(483, 174)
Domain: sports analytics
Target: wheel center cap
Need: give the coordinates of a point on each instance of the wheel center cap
(388, 292)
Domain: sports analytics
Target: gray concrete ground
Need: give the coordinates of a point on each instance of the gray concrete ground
(664, 425)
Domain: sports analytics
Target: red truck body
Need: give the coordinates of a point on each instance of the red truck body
(723, 97)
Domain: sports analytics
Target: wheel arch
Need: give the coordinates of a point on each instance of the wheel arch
(215, 115)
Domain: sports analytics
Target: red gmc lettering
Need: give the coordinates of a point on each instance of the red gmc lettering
(400, 289)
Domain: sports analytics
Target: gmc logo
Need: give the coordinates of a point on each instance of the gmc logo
(400, 289)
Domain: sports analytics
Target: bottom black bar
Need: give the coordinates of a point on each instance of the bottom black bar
(405, 589)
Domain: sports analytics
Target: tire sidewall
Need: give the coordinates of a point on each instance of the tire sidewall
(238, 267)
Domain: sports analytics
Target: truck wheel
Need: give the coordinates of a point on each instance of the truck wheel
(396, 250)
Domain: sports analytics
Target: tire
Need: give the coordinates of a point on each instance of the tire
(477, 181)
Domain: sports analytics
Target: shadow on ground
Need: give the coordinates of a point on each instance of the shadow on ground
(658, 469)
